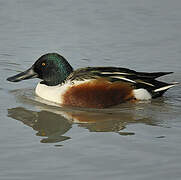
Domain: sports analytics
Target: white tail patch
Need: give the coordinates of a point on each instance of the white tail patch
(141, 94)
(165, 87)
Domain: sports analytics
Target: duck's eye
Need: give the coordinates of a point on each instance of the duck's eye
(43, 64)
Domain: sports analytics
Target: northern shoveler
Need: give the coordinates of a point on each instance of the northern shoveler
(93, 87)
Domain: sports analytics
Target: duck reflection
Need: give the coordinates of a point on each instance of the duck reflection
(52, 123)
(47, 124)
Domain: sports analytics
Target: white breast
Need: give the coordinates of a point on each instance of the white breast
(55, 93)
(50, 93)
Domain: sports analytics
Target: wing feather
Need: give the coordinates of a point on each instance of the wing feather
(112, 74)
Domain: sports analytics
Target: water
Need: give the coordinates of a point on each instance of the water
(131, 141)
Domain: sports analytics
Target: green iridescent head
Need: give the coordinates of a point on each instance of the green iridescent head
(52, 68)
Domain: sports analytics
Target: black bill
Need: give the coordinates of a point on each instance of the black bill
(28, 74)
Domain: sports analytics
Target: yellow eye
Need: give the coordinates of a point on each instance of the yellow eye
(43, 64)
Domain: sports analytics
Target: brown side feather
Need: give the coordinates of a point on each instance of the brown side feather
(98, 94)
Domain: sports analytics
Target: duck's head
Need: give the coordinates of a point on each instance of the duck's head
(52, 68)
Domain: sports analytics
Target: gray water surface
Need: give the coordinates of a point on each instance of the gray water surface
(131, 141)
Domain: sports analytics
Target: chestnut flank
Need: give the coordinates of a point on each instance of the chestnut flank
(98, 94)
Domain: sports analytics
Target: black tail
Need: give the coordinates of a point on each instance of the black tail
(153, 75)
(161, 88)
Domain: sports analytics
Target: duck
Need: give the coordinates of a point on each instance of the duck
(91, 87)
